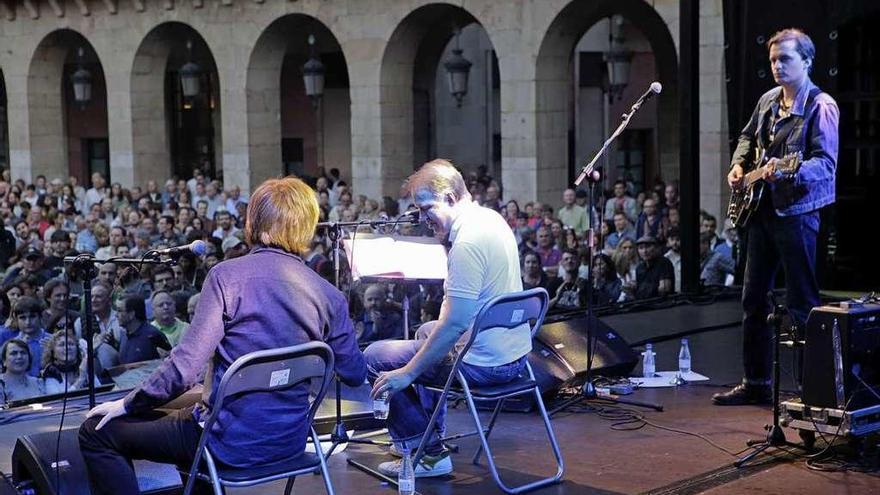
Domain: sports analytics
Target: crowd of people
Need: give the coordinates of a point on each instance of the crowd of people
(140, 314)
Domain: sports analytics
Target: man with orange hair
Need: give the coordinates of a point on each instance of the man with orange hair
(264, 300)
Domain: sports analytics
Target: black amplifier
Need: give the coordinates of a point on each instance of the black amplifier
(842, 356)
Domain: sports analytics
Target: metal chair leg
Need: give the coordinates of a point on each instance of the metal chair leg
(476, 458)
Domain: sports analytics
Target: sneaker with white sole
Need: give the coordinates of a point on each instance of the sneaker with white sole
(429, 466)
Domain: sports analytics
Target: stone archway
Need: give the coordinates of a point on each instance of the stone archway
(413, 94)
(66, 138)
(286, 134)
(554, 82)
(172, 134)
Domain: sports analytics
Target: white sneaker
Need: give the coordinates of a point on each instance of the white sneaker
(429, 466)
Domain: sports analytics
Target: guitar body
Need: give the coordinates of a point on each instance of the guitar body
(743, 203)
(745, 200)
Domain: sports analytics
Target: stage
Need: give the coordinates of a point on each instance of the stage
(603, 452)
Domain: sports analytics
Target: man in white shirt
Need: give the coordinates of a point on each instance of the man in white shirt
(483, 262)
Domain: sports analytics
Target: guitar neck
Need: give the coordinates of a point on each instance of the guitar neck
(753, 176)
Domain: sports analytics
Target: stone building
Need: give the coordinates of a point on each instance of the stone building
(534, 112)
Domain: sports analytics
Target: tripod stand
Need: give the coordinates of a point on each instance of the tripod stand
(592, 176)
(775, 435)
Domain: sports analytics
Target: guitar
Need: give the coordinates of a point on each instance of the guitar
(745, 198)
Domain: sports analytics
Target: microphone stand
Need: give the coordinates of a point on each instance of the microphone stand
(82, 267)
(339, 435)
(589, 173)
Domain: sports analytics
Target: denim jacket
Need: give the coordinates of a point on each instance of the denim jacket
(811, 131)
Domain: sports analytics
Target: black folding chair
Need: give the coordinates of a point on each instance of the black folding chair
(267, 371)
(509, 311)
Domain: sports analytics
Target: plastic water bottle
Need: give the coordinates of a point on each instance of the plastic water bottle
(684, 358)
(406, 479)
(648, 361)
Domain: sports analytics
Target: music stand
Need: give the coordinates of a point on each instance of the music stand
(339, 435)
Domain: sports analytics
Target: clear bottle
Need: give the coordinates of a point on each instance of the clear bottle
(648, 368)
(406, 479)
(684, 358)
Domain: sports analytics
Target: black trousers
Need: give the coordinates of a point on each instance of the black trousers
(774, 241)
(163, 435)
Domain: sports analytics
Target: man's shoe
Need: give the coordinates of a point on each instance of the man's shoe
(429, 466)
(394, 451)
(743, 395)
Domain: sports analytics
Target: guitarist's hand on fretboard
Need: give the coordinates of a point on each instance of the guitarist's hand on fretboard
(768, 171)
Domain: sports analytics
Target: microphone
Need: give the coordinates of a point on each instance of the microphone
(411, 216)
(592, 176)
(197, 247)
(654, 89)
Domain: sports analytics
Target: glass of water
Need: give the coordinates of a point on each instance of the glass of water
(380, 405)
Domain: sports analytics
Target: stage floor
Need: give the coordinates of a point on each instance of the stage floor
(602, 455)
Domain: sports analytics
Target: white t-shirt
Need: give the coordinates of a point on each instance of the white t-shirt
(483, 263)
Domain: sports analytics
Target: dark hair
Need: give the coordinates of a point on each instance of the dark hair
(803, 44)
(50, 286)
(27, 304)
(133, 302)
(19, 343)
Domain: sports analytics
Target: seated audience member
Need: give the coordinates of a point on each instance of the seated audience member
(279, 303)
(654, 274)
(626, 259)
(106, 328)
(139, 340)
(607, 286)
(379, 320)
(622, 230)
(233, 247)
(547, 250)
(673, 254)
(715, 265)
(570, 291)
(15, 381)
(532, 273)
(165, 314)
(63, 364)
(191, 306)
(58, 313)
(28, 318)
(430, 311)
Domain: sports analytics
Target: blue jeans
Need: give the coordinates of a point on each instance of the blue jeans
(775, 241)
(411, 409)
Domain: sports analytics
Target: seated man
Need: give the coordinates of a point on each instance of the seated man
(266, 299)
(482, 263)
(139, 341)
(655, 275)
(379, 320)
(570, 291)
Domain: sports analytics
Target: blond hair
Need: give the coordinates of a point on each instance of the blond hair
(438, 177)
(282, 213)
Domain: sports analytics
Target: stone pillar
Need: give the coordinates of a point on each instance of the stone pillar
(714, 150)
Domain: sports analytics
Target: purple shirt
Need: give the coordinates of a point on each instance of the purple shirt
(267, 299)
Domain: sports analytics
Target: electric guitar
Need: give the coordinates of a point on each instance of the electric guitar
(745, 198)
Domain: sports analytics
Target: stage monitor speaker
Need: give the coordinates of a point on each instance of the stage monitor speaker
(33, 466)
(559, 358)
(842, 342)
(612, 356)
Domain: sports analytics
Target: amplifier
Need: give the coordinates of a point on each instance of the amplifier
(858, 422)
(842, 356)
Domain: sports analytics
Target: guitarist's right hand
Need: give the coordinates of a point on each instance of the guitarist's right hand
(735, 176)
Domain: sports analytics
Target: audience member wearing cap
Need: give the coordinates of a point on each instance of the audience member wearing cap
(233, 247)
(31, 265)
(655, 275)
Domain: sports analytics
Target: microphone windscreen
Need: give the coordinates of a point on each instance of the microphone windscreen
(199, 247)
(656, 87)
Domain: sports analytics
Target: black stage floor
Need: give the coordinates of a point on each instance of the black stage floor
(604, 454)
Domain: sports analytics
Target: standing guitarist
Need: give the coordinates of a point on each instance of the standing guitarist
(795, 117)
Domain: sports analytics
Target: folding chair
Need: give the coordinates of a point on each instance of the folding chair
(509, 311)
(267, 371)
